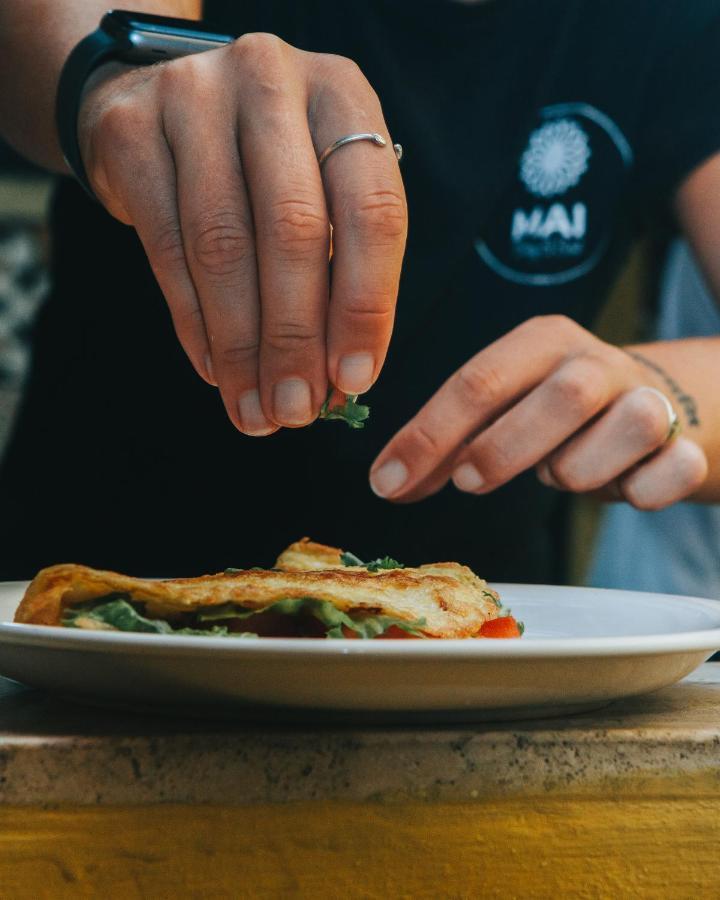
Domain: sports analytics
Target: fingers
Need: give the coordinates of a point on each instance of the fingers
(634, 427)
(558, 408)
(474, 396)
(625, 455)
(368, 211)
(673, 474)
(292, 231)
(217, 229)
(226, 193)
(134, 163)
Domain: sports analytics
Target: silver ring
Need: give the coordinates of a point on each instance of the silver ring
(373, 136)
(674, 424)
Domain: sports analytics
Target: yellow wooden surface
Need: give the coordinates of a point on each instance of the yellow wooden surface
(556, 847)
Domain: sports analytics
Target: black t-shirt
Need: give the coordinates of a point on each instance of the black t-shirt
(540, 138)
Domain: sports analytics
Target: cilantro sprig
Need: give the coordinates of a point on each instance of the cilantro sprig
(384, 562)
(351, 412)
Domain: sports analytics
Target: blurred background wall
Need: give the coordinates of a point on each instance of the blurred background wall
(24, 193)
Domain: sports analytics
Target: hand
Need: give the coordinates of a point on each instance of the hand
(213, 159)
(551, 395)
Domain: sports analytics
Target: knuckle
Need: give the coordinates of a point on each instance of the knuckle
(373, 308)
(337, 72)
(165, 248)
(298, 228)
(479, 383)
(578, 387)
(692, 464)
(552, 323)
(557, 322)
(173, 75)
(345, 67)
(190, 330)
(424, 441)
(642, 500)
(237, 355)
(288, 336)
(676, 473)
(494, 461)
(192, 78)
(569, 476)
(221, 243)
(189, 324)
(261, 54)
(379, 217)
(646, 420)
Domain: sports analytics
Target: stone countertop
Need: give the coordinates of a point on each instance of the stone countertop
(54, 752)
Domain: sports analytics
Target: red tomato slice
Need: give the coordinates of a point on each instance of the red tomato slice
(504, 627)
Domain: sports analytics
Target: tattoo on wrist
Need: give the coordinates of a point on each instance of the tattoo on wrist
(688, 403)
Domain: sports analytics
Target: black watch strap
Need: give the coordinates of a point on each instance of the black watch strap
(88, 55)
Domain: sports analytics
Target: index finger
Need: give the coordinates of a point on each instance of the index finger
(367, 208)
(470, 399)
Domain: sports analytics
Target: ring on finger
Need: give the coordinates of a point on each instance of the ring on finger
(674, 423)
(372, 136)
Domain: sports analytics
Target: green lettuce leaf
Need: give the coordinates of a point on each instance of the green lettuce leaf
(352, 412)
(116, 613)
(330, 616)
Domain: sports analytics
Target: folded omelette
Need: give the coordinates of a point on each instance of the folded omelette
(312, 591)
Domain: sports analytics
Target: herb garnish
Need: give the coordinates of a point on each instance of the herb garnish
(495, 599)
(385, 562)
(352, 412)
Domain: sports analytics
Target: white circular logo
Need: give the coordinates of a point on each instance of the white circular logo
(556, 158)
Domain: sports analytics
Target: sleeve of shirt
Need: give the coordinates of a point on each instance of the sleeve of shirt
(679, 123)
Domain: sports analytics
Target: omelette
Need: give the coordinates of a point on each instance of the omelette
(312, 591)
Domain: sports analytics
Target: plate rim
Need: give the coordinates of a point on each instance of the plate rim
(542, 648)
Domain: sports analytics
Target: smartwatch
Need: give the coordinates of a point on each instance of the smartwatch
(130, 37)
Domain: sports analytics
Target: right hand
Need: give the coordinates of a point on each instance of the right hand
(213, 160)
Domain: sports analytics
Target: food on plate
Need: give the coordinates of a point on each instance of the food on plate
(312, 591)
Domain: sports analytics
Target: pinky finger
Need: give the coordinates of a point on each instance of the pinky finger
(157, 225)
(673, 473)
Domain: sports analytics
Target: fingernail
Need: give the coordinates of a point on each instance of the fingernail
(209, 369)
(292, 402)
(355, 373)
(251, 415)
(389, 478)
(467, 478)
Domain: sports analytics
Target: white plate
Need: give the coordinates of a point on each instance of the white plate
(582, 648)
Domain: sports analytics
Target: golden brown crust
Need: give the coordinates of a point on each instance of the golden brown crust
(305, 555)
(453, 601)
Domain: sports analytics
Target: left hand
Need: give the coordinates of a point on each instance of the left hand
(548, 394)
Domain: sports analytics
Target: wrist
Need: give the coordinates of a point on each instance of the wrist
(104, 85)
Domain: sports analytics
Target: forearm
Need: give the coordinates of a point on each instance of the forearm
(688, 372)
(36, 37)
